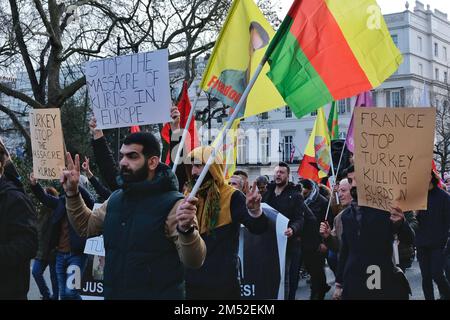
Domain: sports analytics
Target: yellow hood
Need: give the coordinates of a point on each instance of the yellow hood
(200, 155)
(223, 191)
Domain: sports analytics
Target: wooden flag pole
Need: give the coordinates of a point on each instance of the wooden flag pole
(219, 138)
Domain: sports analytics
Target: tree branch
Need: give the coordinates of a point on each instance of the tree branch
(24, 51)
(70, 90)
(21, 96)
(17, 124)
(45, 21)
(198, 49)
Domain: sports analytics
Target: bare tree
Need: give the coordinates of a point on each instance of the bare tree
(49, 39)
(442, 143)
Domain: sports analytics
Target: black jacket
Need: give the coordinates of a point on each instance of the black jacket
(44, 228)
(18, 240)
(289, 203)
(58, 204)
(141, 261)
(220, 269)
(434, 222)
(369, 243)
(106, 162)
(318, 206)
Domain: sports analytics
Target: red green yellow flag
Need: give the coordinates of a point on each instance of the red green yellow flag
(329, 50)
(316, 162)
(333, 124)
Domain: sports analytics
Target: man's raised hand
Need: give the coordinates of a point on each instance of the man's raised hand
(71, 175)
(254, 200)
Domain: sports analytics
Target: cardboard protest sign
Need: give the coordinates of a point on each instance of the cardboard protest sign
(47, 143)
(130, 90)
(393, 154)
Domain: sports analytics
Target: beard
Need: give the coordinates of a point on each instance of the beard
(207, 177)
(130, 176)
(280, 182)
(354, 193)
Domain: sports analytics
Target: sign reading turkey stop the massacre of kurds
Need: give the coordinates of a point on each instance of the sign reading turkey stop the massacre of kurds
(47, 143)
(393, 155)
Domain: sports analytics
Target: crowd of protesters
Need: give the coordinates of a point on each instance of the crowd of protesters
(162, 244)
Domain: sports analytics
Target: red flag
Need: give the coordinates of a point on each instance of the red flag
(441, 183)
(308, 169)
(184, 106)
(135, 129)
(165, 136)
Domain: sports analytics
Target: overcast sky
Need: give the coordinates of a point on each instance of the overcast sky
(390, 6)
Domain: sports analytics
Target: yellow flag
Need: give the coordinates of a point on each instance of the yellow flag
(239, 49)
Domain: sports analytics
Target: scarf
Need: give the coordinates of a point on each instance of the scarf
(208, 207)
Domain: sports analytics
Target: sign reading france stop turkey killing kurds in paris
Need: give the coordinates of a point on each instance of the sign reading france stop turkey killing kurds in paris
(130, 90)
(393, 156)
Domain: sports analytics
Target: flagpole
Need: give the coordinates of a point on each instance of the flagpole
(331, 184)
(219, 138)
(338, 167)
(185, 131)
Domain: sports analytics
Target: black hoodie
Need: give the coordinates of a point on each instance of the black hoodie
(18, 240)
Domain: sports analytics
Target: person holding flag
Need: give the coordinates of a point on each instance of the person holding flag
(221, 210)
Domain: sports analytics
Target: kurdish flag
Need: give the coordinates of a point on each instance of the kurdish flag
(333, 125)
(316, 162)
(240, 48)
(329, 50)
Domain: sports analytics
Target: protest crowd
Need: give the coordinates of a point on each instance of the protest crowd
(189, 225)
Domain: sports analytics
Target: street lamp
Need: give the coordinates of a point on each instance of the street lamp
(209, 113)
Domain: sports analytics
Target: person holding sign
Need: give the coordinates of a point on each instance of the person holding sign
(69, 245)
(431, 239)
(284, 197)
(366, 270)
(18, 236)
(150, 231)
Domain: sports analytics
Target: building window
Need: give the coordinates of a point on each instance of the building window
(349, 106)
(436, 74)
(343, 135)
(436, 50)
(445, 53)
(395, 39)
(287, 148)
(420, 69)
(342, 106)
(242, 150)
(264, 148)
(288, 112)
(419, 44)
(314, 113)
(395, 99)
(445, 76)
